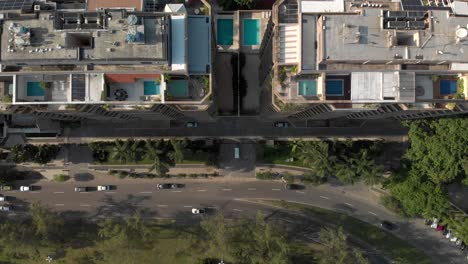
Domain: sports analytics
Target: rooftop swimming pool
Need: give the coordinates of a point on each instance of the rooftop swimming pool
(308, 87)
(448, 87)
(151, 88)
(225, 32)
(251, 31)
(334, 87)
(178, 88)
(34, 89)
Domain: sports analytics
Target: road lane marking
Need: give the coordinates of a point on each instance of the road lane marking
(188, 206)
(212, 207)
(238, 210)
(59, 192)
(276, 189)
(12, 214)
(324, 197)
(227, 190)
(372, 213)
(161, 205)
(110, 192)
(146, 192)
(251, 189)
(35, 192)
(301, 192)
(201, 190)
(177, 191)
(85, 205)
(59, 204)
(12, 191)
(348, 204)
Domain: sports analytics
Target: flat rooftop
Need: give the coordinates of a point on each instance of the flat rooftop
(56, 38)
(363, 37)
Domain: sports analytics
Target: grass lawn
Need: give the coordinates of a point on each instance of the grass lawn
(383, 241)
(279, 154)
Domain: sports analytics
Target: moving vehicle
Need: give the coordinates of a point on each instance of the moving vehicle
(81, 189)
(198, 211)
(6, 187)
(3, 198)
(387, 225)
(294, 186)
(103, 187)
(281, 124)
(166, 186)
(191, 124)
(6, 208)
(25, 188)
(236, 153)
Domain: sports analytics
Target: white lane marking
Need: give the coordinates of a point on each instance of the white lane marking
(177, 191)
(161, 205)
(227, 190)
(324, 197)
(12, 214)
(201, 190)
(238, 210)
(276, 189)
(348, 204)
(372, 213)
(35, 192)
(59, 192)
(59, 204)
(188, 206)
(301, 192)
(251, 189)
(146, 192)
(212, 207)
(110, 192)
(12, 191)
(85, 205)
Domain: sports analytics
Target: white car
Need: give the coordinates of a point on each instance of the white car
(198, 211)
(5, 208)
(103, 187)
(25, 188)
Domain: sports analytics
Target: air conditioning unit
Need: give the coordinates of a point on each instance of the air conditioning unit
(37, 8)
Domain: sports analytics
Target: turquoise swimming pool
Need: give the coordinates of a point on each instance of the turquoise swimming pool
(448, 87)
(178, 88)
(151, 88)
(307, 87)
(334, 87)
(251, 31)
(225, 32)
(34, 89)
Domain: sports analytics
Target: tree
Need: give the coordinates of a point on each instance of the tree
(178, 147)
(134, 150)
(337, 250)
(315, 155)
(159, 166)
(216, 237)
(47, 224)
(120, 151)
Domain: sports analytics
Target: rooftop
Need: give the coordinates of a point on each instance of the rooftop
(80, 37)
(375, 37)
(93, 5)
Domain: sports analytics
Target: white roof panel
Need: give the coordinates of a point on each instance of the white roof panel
(324, 6)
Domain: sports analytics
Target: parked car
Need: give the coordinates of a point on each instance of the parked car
(6, 208)
(448, 234)
(166, 186)
(388, 225)
(191, 124)
(462, 246)
(198, 211)
(281, 124)
(294, 186)
(440, 228)
(3, 198)
(103, 187)
(427, 221)
(81, 189)
(6, 187)
(25, 188)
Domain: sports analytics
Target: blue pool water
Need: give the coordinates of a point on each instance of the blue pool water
(34, 89)
(150, 88)
(448, 87)
(334, 87)
(178, 88)
(251, 32)
(225, 31)
(308, 87)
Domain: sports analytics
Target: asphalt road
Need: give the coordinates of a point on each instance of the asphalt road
(226, 127)
(131, 195)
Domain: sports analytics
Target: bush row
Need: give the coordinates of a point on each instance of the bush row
(145, 175)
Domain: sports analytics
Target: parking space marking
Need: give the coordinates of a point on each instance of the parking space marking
(251, 189)
(146, 192)
(59, 192)
(324, 197)
(301, 192)
(372, 213)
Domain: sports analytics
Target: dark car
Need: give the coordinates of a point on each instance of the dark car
(293, 186)
(166, 186)
(81, 189)
(281, 124)
(387, 225)
(191, 124)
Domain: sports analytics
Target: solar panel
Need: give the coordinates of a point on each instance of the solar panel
(417, 5)
(16, 5)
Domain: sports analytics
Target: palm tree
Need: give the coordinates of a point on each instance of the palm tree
(120, 151)
(178, 153)
(159, 166)
(134, 150)
(152, 150)
(153, 153)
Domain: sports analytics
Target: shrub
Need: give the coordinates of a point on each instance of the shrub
(313, 179)
(61, 177)
(393, 204)
(268, 175)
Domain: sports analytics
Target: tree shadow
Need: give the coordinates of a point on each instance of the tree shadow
(82, 177)
(344, 208)
(124, 208)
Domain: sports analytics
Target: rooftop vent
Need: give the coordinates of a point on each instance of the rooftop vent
(396, 24)
(397, 15)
